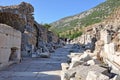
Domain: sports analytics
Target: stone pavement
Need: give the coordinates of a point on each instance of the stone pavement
(37, 68)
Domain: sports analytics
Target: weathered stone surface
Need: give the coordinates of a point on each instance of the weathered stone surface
(75, 58)
(117, 77)
(72, 79)
(45, 55)
(78, 59)
(66, 76)
(75, 64)
(109, 50)
(106, 49)
(93, 75)
(80, 72)
(34, 35)
(105, 36)
(10, 44)
(17, 16)
(117, 59)
(85, 57)
(93, 62)
(64, 66)
(83, 71)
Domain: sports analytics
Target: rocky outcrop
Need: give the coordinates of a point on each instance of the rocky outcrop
(35, 38)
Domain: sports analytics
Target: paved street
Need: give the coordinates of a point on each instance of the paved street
(37, 68)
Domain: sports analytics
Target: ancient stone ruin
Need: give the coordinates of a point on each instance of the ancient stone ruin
(26, 37)
(98, 56)
(10, 45)
(93, 56)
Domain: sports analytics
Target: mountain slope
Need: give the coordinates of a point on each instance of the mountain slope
(72, 26)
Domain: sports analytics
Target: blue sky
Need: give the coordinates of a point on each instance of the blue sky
(47, 11)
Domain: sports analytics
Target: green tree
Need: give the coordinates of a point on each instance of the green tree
(47, 26)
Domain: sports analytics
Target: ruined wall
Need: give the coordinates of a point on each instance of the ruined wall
(110, 51)
(13, 20)
(9, 38)
(20, 17)
(52, 37)
(107, 34)
(17, 16)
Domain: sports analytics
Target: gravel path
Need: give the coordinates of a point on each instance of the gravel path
(37, 68)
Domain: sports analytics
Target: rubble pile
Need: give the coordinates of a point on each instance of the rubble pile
(100, 59)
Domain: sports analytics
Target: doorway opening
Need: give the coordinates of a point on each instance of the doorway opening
(13, 54)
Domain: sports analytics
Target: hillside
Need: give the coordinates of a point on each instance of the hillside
(72, 26)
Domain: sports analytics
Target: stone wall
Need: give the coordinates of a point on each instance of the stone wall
(34, 35)
(9, 39)
(109, 52)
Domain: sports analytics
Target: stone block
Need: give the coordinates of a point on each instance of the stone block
(95, 57)
(93, 62)
(74, 64)
(117, 77)
(64, 66)
(117, 53)
(103, 77)
(82, 71)
(93, 75)
(45, 55)
(10, 43)
(85, 57)
(75, 58)
(105, 36)
(72, 79)
(116, 59)
(109, 50)
(66, 75)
